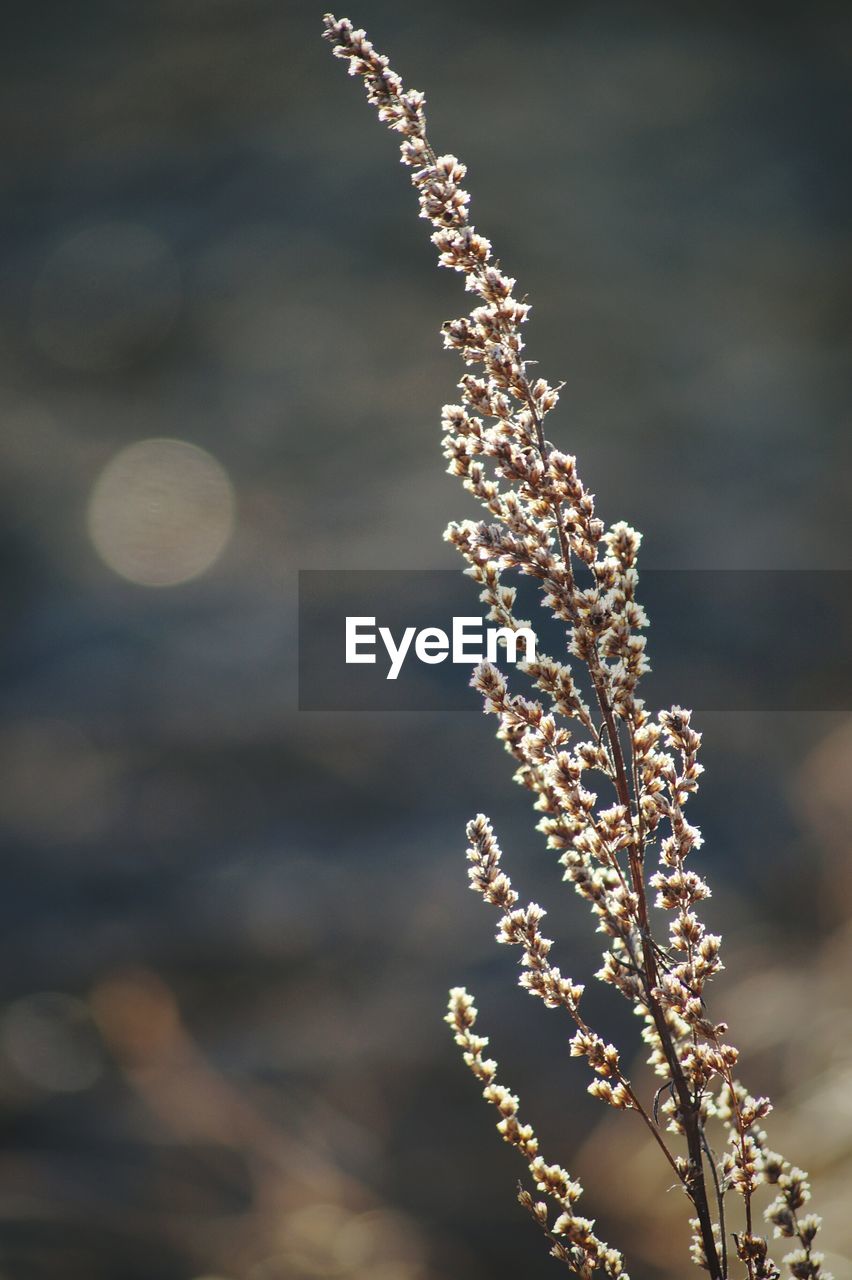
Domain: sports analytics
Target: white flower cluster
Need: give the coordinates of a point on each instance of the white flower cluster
(590, 731)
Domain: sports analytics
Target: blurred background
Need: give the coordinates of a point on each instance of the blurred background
(228, 927)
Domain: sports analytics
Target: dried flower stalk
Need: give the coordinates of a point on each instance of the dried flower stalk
(541, 522)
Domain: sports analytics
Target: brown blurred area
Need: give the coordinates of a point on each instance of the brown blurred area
(227, 926)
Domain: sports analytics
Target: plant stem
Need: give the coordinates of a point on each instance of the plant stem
(688, 1108)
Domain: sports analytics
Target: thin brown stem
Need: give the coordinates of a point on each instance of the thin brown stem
(740, 1127)
(653, 1130)
(695, 1182)
(720, 1201)
(688, 1110)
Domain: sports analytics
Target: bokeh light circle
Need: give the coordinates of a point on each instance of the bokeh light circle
(161, 512)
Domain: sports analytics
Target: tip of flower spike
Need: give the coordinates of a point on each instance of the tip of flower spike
(461, 1011)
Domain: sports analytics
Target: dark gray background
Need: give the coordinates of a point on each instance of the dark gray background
(227, 927)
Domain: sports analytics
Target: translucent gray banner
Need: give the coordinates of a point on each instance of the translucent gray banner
(719, 640)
